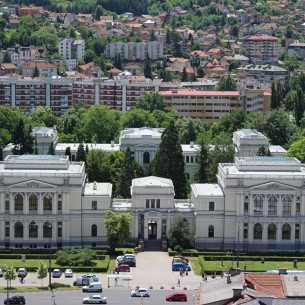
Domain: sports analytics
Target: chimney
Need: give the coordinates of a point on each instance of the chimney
(112, 143)
(192, 144)
(237, 292)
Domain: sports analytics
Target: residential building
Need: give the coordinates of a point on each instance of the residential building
(7, 69)
(44, 69)
(135, 50)
(44, 136)
(296, 48)
(262, 49)
(72, 51)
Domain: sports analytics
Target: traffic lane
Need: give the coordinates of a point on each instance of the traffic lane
(114, 296)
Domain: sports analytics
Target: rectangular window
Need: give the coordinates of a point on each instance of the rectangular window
(7, 205)
(158, 203)
(297, 231)
(94, 205)
(245, 230)
(246, 207)
(7, 231)
(152, 203)
(187, 159)
(211, 206)
(59, 205)
(59, 232)
(147, 203)
(298, 207)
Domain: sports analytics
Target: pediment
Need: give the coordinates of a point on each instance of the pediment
(155, 146)
(272, 186)
(32, 184)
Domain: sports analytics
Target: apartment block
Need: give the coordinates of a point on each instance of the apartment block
(205, 105)
(135, 50)
(72, 51)
(262, 49)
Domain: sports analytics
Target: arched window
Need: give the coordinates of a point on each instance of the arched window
(18, 229)
(286, 231)
(47, 203)
(258, 204)
(94, 230)
(33, 203)
(272, 205)
(272, 231)
(211, 231)
(286, 201)
(146, 157)
(47, 230)
(18, 202)
(33, 229)
(257, 231)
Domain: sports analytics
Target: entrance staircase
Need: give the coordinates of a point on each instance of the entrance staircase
(153, 245)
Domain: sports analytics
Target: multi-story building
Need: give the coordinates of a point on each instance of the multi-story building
(44, 136)
(205, 105)
(296, 48)
(262, 49)
(43, 68)
(135, 50)
(72, 51)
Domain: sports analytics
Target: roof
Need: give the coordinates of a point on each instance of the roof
(186, 92)
(207, 189)
(152, 181)
(249, 133)
(101, 189)
(142, 132)
(260, 38)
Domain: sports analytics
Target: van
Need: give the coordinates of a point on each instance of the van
(94, 287)
(81, 281)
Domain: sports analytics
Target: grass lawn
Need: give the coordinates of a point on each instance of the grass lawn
(21, 289)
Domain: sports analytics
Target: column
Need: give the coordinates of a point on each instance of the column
(302, 205)
(265, 232)
(293, 206)
(54, 204)
(2, 206)
(278, 232)
(2, 225)
(250, 205)
(26, 231)
(279, 207)
(302, 232)
(250, 232)
(40, 204)
(265, 206)
(12, 204)
(26, 204)
(40, 230)
(292, 236)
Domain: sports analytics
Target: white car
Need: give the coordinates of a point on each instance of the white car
(95, 299)
(68, 273)
(22, 272)
(91, 277)
(140, 292)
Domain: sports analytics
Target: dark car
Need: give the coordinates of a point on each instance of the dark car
(177, 296)
(122, 268)
(129, 262)
(16, 299)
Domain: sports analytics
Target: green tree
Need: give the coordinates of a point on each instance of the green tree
(35, 151)
(189, 134)
(184, 77)
(181, 235)
(51, 150)
(147, 67)
(263, 151)
(42, 116)
(80, 154)
(9, 273)
(201, 174)
(297, 150)
(130, 170)
(151, 102)
(36, 72)
(169, 162)
(137, 118)
(226, 83)
(118, 228)
(42, 271)
(299, 106)
(68, 152)
(22, 139)
(76, 257)
(6, 58)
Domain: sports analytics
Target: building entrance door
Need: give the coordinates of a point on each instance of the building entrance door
(152, 230)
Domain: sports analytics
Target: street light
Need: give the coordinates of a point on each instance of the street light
(48, 225)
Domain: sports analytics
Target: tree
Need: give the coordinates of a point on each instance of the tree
(68, 152)
(138, 118)
(263, 151)
(169, 162)
(297, 150)
(201, 175)
(181, 235)
(6, 58)
(130, 170)
(151, 102)
(51, 150)
(36, 72)
(189, 133)
(118, 228)
(147, 67)
(42, 271)
(9, 273)
(76, 257)
(184, 77)
(80, 154)
(277, 94)
(42, 116)
(22, 139)
(226, 83)
(35, 151)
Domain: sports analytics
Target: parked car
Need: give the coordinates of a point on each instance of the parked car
(95, 299)
(16, 299)
(180, 265)
(81, 281)
(177, 296)
(22, 272)
(94, 287)
(56, 273)
(130, 262)
(122, 268)
(140, 292)
(91, 277)
(68, 273)
(181, 257)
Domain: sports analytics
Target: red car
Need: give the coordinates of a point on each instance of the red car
(122, 268)
(177, 296)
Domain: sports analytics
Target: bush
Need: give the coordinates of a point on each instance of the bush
(58, 285)
(76, 257)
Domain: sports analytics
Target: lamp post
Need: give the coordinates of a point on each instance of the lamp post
(49, 226)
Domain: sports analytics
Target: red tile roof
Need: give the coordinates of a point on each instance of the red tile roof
(199, 93)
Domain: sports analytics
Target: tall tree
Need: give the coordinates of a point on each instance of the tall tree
(22, 139)
(80, 154)
(128, 172)
(151, 102)
(68, 152)
(201, 175)
(117, 228)
(184, 77)
(169, 162)
(147, 67)
(42, 271)
(51, 150)
(299, 105)
(226, 83)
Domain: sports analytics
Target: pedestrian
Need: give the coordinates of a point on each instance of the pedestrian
(186, 272)
(178, 283)
(203, 276)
